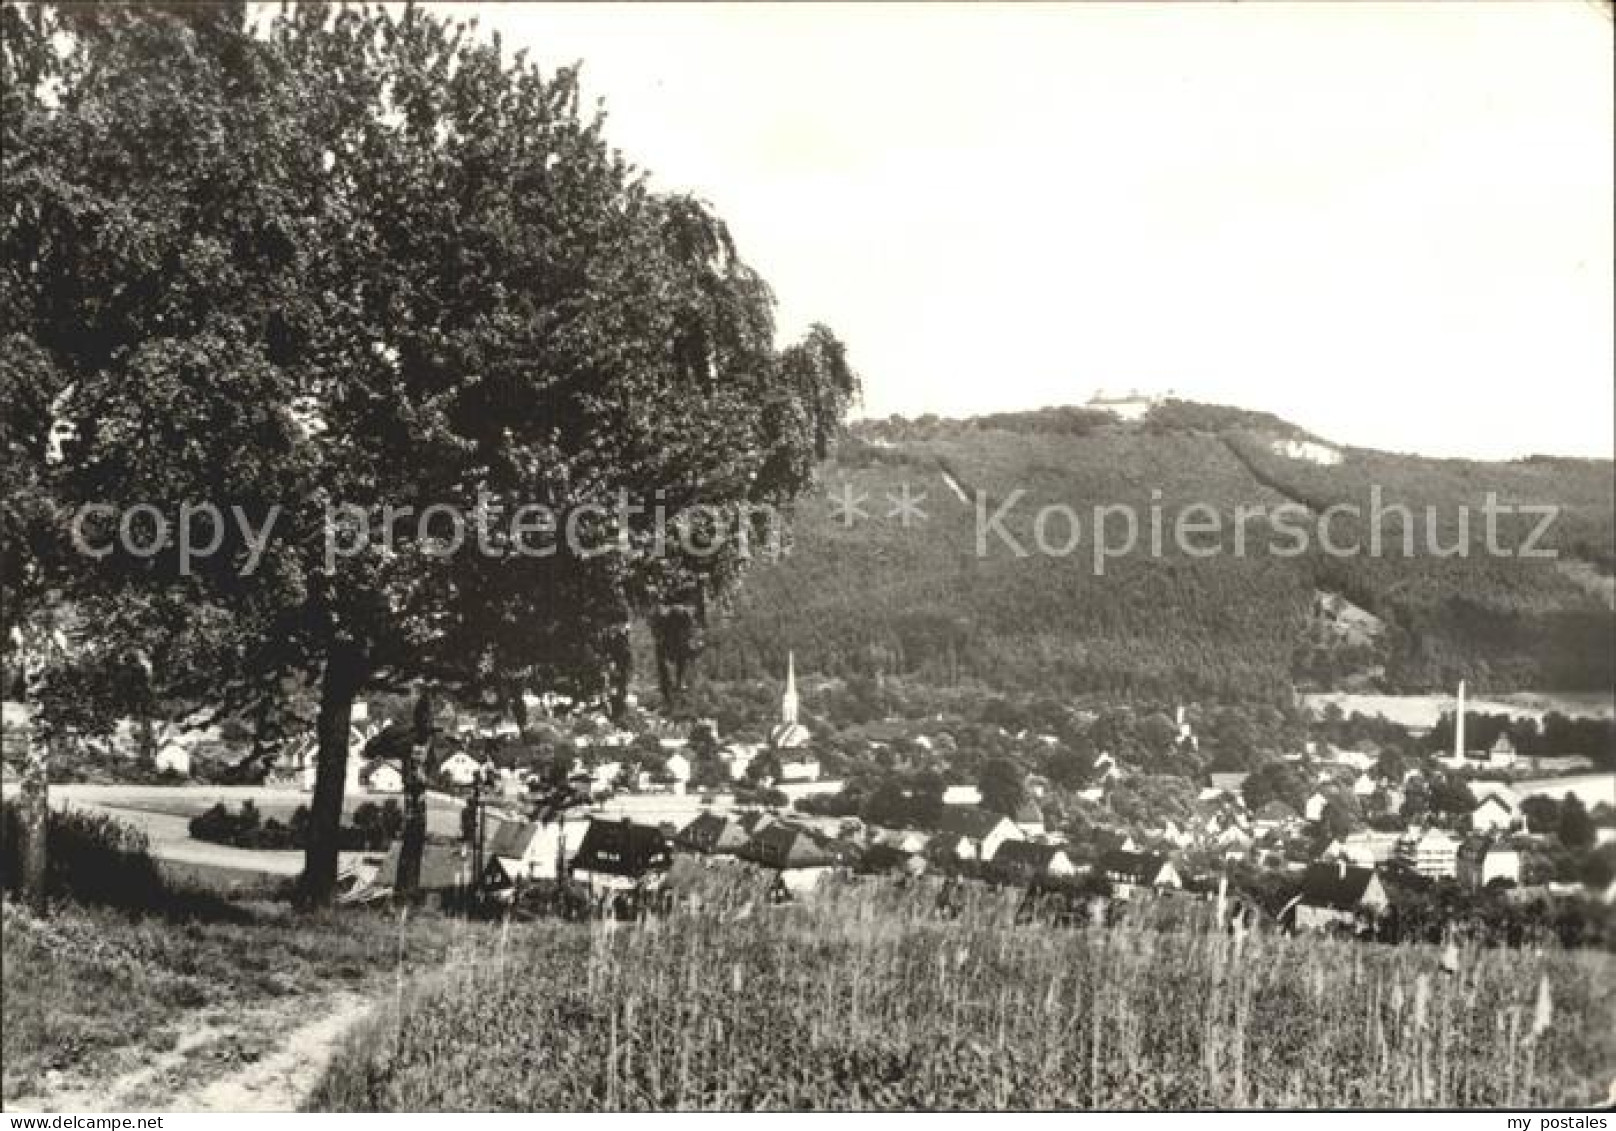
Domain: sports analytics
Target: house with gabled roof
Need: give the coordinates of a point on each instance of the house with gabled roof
(1134, 872)
(1336, 893)
(951, 848)
(381, 777)
(534, 850)
(1026, 860)
(801, 858)
(445, 868)
(1483, 861)
(1495, 814)
(984, 829)
(1365, 848)
(1430, 852)
(621, 854)
(712, 834)
(1029, 818)
(1275, 815)
(908, 841)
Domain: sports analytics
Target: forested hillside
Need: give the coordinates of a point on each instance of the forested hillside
(872, 595)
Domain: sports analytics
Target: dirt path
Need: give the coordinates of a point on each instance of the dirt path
(264, 1060)
(281, 1080)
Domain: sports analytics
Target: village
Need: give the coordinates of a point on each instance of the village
(612, 817)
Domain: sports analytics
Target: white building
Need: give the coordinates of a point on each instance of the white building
(738, 757)
(1132, 405)
(1432, 853)
(1499, 863)
(1367, 848)
(678, 767)
(460, 768)
(174, 758)
(1495, 814)
(382, 777)
(799, 769)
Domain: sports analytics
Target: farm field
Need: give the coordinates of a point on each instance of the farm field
(1425, 710)
(866, 1000)
(1592, 790)
(163, 813)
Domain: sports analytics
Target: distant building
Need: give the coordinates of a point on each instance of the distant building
(1501, 754)
(1185, 734)
(712, 834)
(1030, 819)
(801, 858)
(951, 848)
(677, 770)
(962, 795)
(1495, 814)
(1024, 860)
(621, 854)
(381, 777)
(460, 768)
(738, 757)
(799, 769)
(1367, 849)
(1132, 405)
(984, 830)
(1314, 809)
(534, 850)
(1432, 853)
(1133, 872)
(904, 840)
(1483, 862)
(789, 734)
(445, 868)
(174, 758)
(1338, 893)
(1275, 815)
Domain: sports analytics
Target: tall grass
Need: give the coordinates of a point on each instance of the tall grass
(865, 1000)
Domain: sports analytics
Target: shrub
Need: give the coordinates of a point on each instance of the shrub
(92, 858)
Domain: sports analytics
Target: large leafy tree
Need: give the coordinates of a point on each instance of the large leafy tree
(346, 260)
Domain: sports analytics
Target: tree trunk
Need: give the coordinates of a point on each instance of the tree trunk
(147, 740)
(415, 761)
(344, 673)
(34, 809)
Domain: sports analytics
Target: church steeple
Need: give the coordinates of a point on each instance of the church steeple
(788, 701)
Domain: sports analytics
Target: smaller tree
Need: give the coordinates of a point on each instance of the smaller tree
(1576, 827)
(1542, 814)
(1002, 785)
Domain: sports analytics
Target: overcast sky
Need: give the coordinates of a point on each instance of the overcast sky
(1390, 224)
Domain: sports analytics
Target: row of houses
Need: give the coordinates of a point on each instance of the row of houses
(997, 844)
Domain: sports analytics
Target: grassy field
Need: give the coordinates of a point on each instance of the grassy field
(91, 995)
(866, 1000)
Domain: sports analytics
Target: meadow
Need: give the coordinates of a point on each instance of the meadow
(867, 1000)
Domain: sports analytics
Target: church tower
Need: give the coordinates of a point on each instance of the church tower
(788, 701)
(788, 733)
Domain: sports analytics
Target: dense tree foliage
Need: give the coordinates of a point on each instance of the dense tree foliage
(351, 260)
(874, 596)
